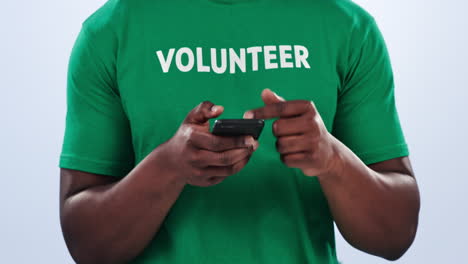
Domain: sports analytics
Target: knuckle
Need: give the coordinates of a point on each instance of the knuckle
(215, 143)
(224, 158)
(280, 107)
(255, 113)
(189, 135)
(206, 104)
(197, 173)
(276, 126)
(189, 141)
(204, 107)
(193, 156)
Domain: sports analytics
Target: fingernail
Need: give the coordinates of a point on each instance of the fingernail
(214, 108)
(248, 115)
(249, 141)
(277, 96)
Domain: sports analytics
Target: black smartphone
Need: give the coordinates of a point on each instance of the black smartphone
(238, 127)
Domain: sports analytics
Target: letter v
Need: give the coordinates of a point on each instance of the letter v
(165, 64)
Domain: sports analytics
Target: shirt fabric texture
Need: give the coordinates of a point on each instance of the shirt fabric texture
(139, 66)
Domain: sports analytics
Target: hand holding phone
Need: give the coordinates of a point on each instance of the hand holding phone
(197, 157)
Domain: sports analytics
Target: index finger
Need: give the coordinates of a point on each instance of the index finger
(282, 109)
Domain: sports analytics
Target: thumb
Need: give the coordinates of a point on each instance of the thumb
(203, 112)
(269, 97)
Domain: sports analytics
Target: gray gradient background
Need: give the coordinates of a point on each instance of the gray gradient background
(427, 42)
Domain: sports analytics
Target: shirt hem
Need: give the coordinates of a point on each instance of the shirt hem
(93, 166)
(385, 153)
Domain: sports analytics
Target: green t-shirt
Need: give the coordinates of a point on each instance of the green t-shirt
(138, 67)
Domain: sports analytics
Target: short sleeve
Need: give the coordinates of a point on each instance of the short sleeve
(97, 136)
(366, 119)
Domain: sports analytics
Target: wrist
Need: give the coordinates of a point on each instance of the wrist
(165, 166)
(336, 161)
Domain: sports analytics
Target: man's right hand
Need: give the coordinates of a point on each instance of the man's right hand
(200, 158)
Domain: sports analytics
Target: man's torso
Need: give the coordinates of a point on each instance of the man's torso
(172, 55)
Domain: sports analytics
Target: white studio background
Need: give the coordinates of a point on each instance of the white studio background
(428, 43)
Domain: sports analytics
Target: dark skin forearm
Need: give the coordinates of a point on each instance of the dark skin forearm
(109, 221)
(113, 222)
(375, 207)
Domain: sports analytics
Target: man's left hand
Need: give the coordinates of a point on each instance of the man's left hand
(303, 141)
